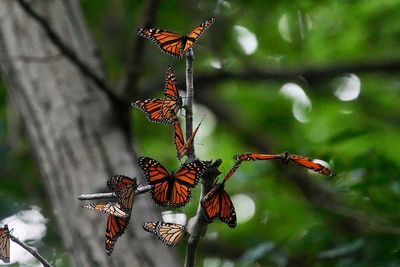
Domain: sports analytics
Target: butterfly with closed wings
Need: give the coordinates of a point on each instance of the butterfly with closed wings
(182, 147)
(217, 202)
(163, 110)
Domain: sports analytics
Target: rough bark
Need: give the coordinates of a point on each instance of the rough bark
(76, 135)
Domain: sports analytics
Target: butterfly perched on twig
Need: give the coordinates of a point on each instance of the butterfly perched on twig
(5, 244)
(173, 43)
(171, 188)
(285, 157)
(182, 147)
(163, 110)
(169, 233)
(119, 212)
(217, 202)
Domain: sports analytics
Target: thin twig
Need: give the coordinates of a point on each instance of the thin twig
(138, 191)
(309, 73)
(31, 250)
(33, 59)
(70, 54)
(189, 103)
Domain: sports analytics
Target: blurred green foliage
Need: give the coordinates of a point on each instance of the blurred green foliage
(360, 138)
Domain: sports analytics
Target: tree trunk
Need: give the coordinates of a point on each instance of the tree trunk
(77, 140)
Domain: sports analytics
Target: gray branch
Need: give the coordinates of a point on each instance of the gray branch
(31, 250)
(138, 191)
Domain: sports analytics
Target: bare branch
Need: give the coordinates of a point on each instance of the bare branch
(309, 73)
(189, 103)
(70, 53)
(197, 225)
(31, 250)
(28, 58)
(135, 64)
(138, 191)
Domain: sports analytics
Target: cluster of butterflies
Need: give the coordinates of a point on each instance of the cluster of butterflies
(5, 244)
(174, 188)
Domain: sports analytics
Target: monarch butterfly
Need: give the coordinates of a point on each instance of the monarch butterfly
(286, 157)
(115, 228)
(174, 188)
(113, 208)
(217, 202)
(182, 148)
(163, 110)
(173, 43)
(308, 163)
(169, 233)
(124, 187)
(5, 244)
(254, 156)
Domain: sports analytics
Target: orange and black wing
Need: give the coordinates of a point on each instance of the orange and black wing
(192, 37)
(184, 150)
(167, 41)
(169, 233)
(310, 164)
(172, 101)
(227, 212)
(124, 187)
(5, 244)
(115, 227)
(210, 203)
(179, 140)
(157, 176)
(152, 109)
(113, 208)
(186, 177)
(256, 156)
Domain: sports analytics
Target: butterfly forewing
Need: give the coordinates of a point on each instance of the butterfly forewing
(210, 203)
(232, 170)
(125, 188)
(152, 108)
(190, 173)
(195, 33)
(115, 228)
(256, 156)
(149, 226)
(113, 208)
(227, 212)
(5, 244)
(179, 140)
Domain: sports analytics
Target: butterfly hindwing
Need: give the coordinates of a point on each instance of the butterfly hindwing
(169, 233)
(115, 227)
(125, 188)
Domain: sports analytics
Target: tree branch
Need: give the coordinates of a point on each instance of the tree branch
(135, 64)
(309, 73)
(138, 191)
(189, 103)
(31, 250)
(70, 53)
(197, 225)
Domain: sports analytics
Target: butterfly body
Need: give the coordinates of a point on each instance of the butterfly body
(171, 188)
